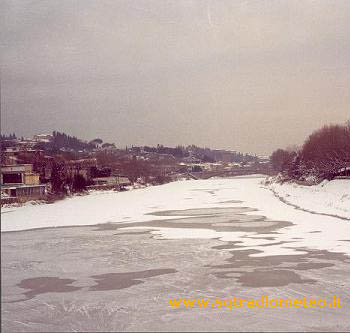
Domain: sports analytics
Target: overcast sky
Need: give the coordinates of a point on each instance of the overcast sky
(246, 75)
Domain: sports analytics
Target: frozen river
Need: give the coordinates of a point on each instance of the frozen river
(111, 261)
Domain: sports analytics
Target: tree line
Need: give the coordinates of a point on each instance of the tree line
(8, 137)
(324, 155)
(178, 151)
(62, 141)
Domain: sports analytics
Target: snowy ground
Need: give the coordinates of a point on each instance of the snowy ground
(329, 197)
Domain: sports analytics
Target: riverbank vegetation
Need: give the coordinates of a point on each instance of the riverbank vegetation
(325, 154)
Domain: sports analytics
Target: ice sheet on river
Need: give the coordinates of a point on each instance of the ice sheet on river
(306, 230)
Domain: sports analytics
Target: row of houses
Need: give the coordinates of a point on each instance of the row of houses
(19, 182)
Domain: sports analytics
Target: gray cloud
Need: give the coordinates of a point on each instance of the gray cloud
(246, 75)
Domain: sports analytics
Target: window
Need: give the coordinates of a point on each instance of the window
(12, 178)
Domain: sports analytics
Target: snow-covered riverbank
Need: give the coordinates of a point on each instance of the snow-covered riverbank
(307, 230)
(328, 197)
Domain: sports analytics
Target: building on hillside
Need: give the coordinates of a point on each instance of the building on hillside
(26, 144)
(19, 181)
(19, 153)
(82, 167)
(112, 182)
(45, 138)
(192, 159)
